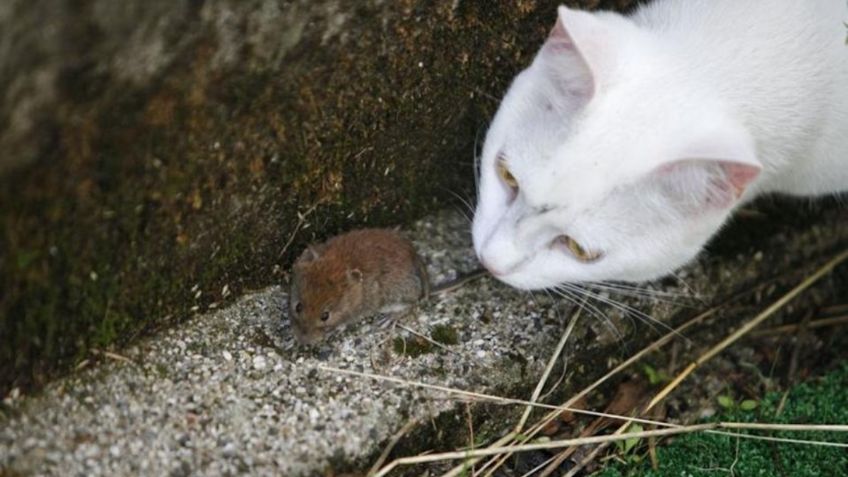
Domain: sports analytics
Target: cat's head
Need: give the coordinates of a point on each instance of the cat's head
(604, 162)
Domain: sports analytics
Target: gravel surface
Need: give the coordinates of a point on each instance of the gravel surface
(230, 393)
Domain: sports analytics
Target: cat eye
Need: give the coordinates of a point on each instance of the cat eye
(298, 307)
(579, 252)
(325, 316)
(505, 175)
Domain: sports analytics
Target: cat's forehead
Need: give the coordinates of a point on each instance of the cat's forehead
(558, 186)
(580, 170)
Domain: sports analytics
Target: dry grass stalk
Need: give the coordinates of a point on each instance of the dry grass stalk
(112, 355)
(768, 312)
(721, 346)
(498, 449)
(669, 428)
(483, 397)
(558, 444)
(676, 333)
(301, 219)
(551, 362)
(496, 462)
(793, 328)
(391, 445)
(541, 384)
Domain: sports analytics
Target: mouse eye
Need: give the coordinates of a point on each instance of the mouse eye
(325, 316)
(506, 176)
(579, 252)
(298, 307)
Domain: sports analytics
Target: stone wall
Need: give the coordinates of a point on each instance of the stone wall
(156, 153)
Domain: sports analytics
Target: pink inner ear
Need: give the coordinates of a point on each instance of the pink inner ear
(558, 38)
(739, 175)
(713, 183)
(566, 64)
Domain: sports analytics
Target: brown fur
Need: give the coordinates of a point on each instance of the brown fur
(353, 276)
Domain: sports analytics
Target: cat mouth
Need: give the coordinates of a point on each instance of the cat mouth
(499, 271)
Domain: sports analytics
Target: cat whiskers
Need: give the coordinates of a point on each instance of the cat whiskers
(581, 301)
(694, 293)
(468, 211)
(676, 299)
(626, 310)
(644, 290)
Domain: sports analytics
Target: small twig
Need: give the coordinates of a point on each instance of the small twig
(111, 355)
(592, 455)
(470, 432)
(662, 412)
(796, 350)
(556, 383)
(551, 362)
(426, 338)
(498, 443)
(836, 309)
(652, 453)
(736, 459)
(782, 403)
(301, 219)
(538, 467)
(391, 445)
(792, 328)
(592, 429)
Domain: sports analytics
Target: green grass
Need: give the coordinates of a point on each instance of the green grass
(821, 401)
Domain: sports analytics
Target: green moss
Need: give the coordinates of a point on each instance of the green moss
(413, 346)
(193, 179)
(445, 334)
(822, 401)
(161, 371)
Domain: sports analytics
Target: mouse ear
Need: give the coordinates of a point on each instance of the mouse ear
(311, 253)
(354, 275)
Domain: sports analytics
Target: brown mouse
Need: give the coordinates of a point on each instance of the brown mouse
(355, 275)
(352, 276)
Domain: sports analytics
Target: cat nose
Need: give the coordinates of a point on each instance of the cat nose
(487, 264)
(499, 256)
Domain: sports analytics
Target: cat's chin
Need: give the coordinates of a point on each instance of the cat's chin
(531, 276)
(526, 281)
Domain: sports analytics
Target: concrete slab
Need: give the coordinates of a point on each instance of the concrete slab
(230, 392)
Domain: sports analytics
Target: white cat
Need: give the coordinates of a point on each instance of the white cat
(628, 141)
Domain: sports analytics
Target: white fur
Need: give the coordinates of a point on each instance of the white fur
(625, 134)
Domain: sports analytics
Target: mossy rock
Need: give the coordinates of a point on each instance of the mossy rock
(158, 153)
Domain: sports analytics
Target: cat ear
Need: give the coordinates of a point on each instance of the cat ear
(703, 184)
(712, 174)
(575, 49)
